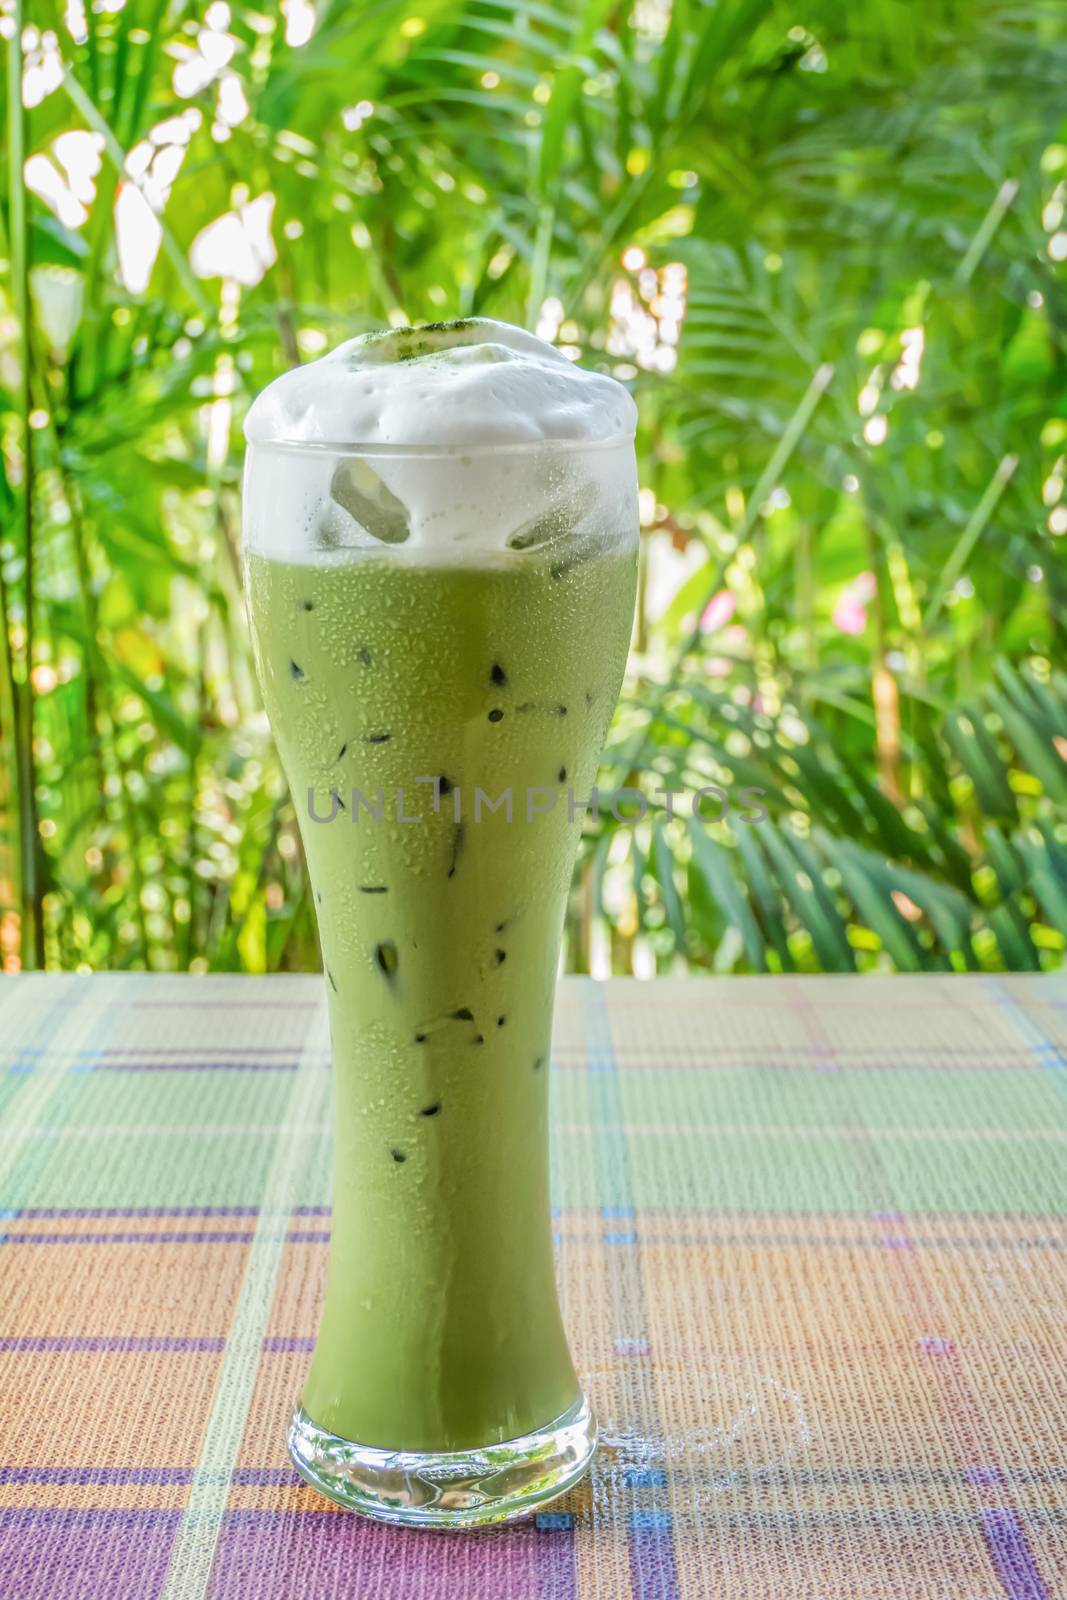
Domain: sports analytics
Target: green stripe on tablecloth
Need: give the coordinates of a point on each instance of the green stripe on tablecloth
(167, 1139)
(73, 1031)
(734, 1139)
(299, 1139)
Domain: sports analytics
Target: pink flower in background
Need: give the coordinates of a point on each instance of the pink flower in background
(850, 613)
(718, 611)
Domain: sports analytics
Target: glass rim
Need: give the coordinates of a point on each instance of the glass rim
(439, 452)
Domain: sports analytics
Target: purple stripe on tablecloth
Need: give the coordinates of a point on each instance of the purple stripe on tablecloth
(971, 1241)
(46, 1342)
(751, 1241)
(546, 1521)
(199, 1236)
(135, 1518)
(96, 1476)
(195, 1066)
(95, 1555)
(262, 1554)
(137, 1211)
(557, 1569)
(42, 1344)
(141, 1052)
(42, 1212)
(197, 1004)
(653, 1570)
(106, 1477)
(194, 1236)
(1011, 1556)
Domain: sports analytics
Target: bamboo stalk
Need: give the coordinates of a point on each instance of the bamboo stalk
(9, 709)
(976, 526)
(9, 742)
(103, 733)
(31, 891)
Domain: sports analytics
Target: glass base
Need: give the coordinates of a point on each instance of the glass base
(452, 1488)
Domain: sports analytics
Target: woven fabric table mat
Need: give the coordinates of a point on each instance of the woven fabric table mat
(811, 1247)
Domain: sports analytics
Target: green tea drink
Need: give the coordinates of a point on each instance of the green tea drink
(439, 938)
(440, 537)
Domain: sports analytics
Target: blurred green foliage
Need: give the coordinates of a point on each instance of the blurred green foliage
(825, 244)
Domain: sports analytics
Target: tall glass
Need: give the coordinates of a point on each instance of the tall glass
(440, 713)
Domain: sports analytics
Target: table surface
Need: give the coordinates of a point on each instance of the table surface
(811, 1246)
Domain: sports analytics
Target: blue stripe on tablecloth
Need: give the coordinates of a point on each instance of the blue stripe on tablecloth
(653, 1566)
(1046, 1055)
(171, 1058)
(185, 1066)
(653, 1575)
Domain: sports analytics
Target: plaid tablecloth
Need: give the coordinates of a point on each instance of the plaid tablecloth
(811, 1246)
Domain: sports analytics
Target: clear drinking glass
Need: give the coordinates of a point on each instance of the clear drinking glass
(454, 699)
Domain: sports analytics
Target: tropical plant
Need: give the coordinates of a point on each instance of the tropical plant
(826, 250)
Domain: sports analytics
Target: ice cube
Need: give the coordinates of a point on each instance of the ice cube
(358, 489)
(559, 521)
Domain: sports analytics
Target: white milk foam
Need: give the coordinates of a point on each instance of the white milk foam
(501, 417)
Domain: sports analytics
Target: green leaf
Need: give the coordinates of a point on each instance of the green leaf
(663, 866)
(712, 862)
(869, 887)
(811, 901)
(565, 90)
(52, 244)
